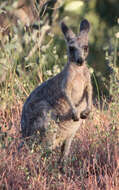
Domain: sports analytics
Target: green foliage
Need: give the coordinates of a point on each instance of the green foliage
(20, 74)
(114, 86)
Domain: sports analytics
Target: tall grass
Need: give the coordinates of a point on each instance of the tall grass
(94, 158)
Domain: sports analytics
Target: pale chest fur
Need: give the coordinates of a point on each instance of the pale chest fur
(74, 83)
(78, 82)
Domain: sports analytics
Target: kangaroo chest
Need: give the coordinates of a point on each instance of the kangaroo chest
(78, 88)
(75, 88)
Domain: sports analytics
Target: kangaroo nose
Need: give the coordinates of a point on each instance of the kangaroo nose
(80, 60)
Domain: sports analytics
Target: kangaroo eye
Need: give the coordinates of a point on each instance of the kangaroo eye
(85, 48)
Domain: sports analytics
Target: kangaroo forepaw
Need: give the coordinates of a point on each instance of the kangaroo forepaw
(75, 116)
(84, 114)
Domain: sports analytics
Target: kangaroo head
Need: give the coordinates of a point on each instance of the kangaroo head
(77, 45)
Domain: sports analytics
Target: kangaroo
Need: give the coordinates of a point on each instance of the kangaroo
(58, 107)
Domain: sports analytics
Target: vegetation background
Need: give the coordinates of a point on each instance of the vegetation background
(32, 49)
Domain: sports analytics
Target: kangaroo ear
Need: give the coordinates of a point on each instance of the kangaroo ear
(84, 26)
(68, 33)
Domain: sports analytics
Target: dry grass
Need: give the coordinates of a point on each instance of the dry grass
(93, 162)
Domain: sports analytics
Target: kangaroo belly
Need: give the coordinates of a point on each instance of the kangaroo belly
(77, 95)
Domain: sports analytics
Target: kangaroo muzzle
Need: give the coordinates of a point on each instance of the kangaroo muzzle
(79, 60)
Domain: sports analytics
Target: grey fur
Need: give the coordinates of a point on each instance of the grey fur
(58, 107)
